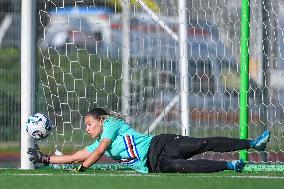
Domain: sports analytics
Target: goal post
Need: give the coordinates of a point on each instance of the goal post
(125, 58)
(184, 76)
(244, 75)
(28, 16)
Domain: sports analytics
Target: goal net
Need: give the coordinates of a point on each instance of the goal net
(82, 50)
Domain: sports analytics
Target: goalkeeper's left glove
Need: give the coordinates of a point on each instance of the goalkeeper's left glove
(81, 168)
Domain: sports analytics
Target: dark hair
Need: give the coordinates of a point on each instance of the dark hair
(97, 112)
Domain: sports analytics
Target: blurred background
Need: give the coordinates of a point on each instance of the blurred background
(79, 47)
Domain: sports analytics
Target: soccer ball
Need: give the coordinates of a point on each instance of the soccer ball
(38, 126)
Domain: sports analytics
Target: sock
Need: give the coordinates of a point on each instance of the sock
(230, 165)
(252, 143)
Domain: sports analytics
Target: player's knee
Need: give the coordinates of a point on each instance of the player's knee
(189, 149)
(204, 144)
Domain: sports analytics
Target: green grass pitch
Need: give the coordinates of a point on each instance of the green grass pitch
(53, 179)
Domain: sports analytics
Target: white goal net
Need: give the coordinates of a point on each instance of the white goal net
(80, 66)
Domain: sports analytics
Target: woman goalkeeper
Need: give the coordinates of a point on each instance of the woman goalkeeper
(168, 153)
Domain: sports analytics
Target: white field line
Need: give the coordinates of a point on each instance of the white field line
(152, 175)
(91, 175)
(245, 177)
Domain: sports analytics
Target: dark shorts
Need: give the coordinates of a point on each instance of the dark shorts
(162, 147)
(170, 152)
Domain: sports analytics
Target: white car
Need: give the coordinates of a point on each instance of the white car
(81, 28)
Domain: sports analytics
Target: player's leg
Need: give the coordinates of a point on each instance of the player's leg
(198, 166)
(191, 146)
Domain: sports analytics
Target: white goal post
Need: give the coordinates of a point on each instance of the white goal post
(28, 16)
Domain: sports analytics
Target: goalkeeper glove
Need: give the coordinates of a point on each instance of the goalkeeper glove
(81, 168)
(38, 157)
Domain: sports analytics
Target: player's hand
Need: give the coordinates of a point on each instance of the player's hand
(37, 156)
(81, 168)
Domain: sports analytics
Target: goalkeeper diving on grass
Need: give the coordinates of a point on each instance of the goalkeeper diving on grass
(166, 153)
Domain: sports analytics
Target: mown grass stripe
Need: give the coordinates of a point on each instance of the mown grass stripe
(152, 175)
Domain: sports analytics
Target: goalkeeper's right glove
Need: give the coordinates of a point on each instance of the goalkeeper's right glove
(38, 157)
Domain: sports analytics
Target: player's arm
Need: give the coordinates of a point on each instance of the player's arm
(109, 134)
(78, 157)
(38, 157)
(97, 154)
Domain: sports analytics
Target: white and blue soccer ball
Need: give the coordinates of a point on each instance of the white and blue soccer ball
(39, 126)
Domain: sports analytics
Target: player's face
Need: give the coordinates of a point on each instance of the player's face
(94, 127)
